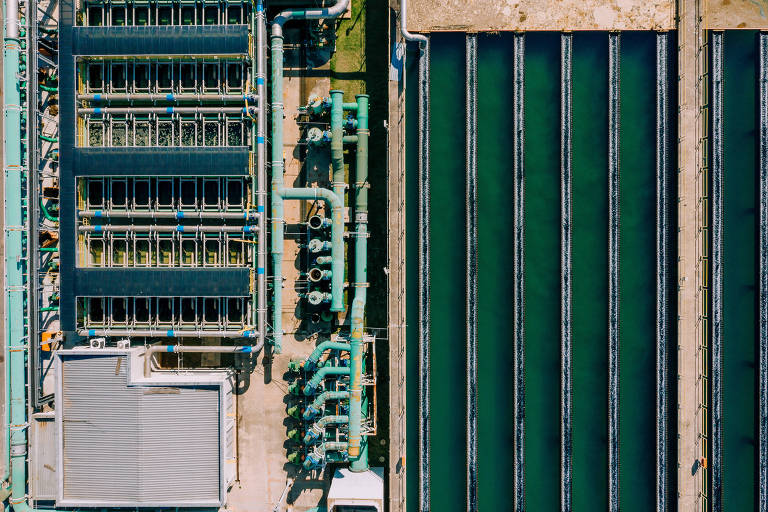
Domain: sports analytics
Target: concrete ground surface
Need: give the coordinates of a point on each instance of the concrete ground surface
(267, 482)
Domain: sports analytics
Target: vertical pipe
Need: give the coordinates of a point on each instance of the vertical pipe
(471, 255)
(337, 231)
(15, 343)
(613, 271)
(518, 145)
(424, 316)
(566, 43)
(277, 184)
(358, 450)
(762, 482)
(662, 222)
(260, 186)
(717, 265)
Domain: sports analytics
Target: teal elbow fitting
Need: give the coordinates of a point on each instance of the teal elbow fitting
(322, 373)
(314, 357)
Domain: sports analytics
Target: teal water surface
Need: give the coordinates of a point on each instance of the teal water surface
(447, 266)
(739, 271)
(637, 270)
(590, 271)
(542, 271)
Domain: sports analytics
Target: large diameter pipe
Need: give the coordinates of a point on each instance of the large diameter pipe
(317, 457)
(278, 167)
(15, 345)
(358, 450)
(314, 357)
(316, 430)
(106, 214)
(314, 408)
(307, 14)
(153, 349)
(260, 188)
(322, 373)
(418, 38)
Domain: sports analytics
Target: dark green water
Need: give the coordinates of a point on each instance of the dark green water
(448, 263)
(590, 271)
(496, 242)
(541, 273)
(739, 271)
(637, 270)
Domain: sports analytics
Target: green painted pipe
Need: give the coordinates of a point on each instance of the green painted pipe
(49, 139)
(326, 396)
(358, 450)
(46, 213)
(321, 374)
(339, 185)
(49, 308)
(49, 249)
(278, 221)
(326, 345)
(48, 88)
(15, 346)
(315, 432)
(317, 457)
(349, 106)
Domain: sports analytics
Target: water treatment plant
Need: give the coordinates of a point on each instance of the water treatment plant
(369, 256)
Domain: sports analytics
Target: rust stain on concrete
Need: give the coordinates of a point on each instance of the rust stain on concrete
(727, 14)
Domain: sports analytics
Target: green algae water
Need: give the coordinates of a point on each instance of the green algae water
(590, 271)
(739, 271)
(447, 262)
(541, 273)
(495, 246)
(637, 270)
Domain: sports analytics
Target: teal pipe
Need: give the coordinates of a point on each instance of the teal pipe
(338, 181)
(49, 249)
(48, 88)
(321, 374)
(15, 346)
(358, 449)
(326, 345)
(326, 396)
(49, 139)
(316, 459)
(316, 430)
(278, 222)
(49, 308)
(349, 106)
(46, 213)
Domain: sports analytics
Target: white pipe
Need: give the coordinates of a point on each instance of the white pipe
(307, 14)
(149, 96)
(162, 110)
(238, 349)
(249, 215)
(12, 19)
(418, 38)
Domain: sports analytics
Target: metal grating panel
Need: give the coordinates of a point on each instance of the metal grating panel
(126, 445)
(42, 460)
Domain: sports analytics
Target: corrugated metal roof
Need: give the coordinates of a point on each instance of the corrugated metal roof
(136, 445)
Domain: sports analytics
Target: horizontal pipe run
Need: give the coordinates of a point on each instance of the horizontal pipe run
(246, 349)
(321, 374)
(166, 229)
(200, 98)
(314, 408)
(161, 110)
(169, 333)
(314, 357)
(88, 214)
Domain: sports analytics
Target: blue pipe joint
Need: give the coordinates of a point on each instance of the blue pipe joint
(312, 436)
(313, 461)
(350, 123)
(310, 412)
